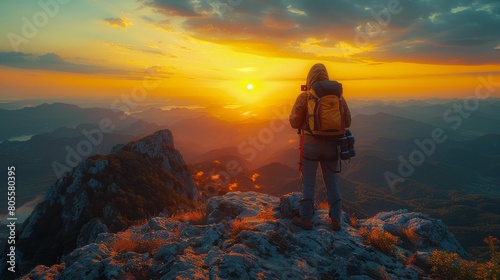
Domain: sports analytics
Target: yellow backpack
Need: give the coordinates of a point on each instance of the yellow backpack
(325, 110)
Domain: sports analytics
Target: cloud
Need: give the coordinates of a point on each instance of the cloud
(452, 32)
(52, 62)
(174, 7)
(460, 36)
(150, 49)
(118, 22)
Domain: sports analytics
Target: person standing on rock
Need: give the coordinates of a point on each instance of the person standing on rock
(321, 115)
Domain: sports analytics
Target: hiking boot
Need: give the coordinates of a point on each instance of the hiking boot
(336, 225)
(308, 225)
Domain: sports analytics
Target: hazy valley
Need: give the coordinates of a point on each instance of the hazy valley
(254, 149)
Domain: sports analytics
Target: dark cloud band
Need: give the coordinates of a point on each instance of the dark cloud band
(51, 62)
(453, 32)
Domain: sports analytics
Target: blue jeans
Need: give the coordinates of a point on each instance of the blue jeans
(325, 153)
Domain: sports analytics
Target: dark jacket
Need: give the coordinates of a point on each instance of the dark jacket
(318, 80)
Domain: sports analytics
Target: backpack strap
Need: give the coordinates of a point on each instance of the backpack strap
(342, 111)
(311, 96)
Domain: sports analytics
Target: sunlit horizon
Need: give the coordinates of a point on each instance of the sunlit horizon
(104, 50)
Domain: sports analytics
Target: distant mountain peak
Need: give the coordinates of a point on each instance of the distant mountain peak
(153, 145)
(154, 110)
(55, 105)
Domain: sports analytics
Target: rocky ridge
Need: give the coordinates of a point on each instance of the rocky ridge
(251, 236)
(106, 193)
(119, 216)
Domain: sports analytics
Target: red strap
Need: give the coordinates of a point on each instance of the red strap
(301, 147)
(301, 134)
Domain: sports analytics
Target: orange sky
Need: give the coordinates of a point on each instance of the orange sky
(92, 49)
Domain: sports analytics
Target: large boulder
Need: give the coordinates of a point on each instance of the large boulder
(238, 205)
(424, 233)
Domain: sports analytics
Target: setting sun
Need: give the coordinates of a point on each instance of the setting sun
(249, 86)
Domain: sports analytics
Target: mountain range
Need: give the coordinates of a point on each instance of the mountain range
(39, 159)
(458, 182)
(138, 213)
(47, 117)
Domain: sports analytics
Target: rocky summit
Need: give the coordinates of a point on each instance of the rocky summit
(249, 235)
(106, 193)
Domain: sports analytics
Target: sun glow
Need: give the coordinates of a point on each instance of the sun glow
(250, 87)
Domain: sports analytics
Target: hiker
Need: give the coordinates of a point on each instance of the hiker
(320, 148)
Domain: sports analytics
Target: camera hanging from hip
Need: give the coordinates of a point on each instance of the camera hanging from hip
(346, 146)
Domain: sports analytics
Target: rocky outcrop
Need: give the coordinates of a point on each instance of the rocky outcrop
(419, 230)
(251, 236)
(161, 146)
(106, 193)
